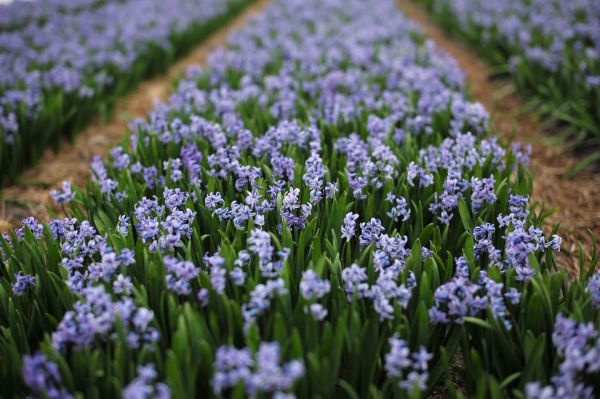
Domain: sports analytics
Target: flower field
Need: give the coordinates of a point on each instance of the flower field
(63, 61)
(321, 211)
(552, 49)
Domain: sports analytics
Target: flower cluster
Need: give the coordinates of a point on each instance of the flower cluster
(144, 385)
(260, 373)
(96, 317)
(22, 283)
(386, 291)
(179, 275)
(260, 300)
(349, 226)
(460, 298)
(409, 368)
(65, 195)
(578, 344)
(43, 377)
(314, 288)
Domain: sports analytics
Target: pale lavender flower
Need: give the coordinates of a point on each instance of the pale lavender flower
(408, 368)
(122, 285)
(22, 283)
(355, 279)
(179, 275)
(349, 226)
(370, 231)
(318, 311)
(65, 195)
(312, 287)
(42, 376)
(483, 192)
(144, 386)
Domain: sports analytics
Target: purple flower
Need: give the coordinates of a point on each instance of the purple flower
(354, 279)
(122, 285)
(283, 167)
(203, 296)
(265, 373)
(400, 209)
(522, 153)
(386, 292)
(513, 295)
(145, 385)
(90, 317)
(370, 231)
(578, 345)
(270, 374)
(349, 226)
(175, 198)
(312, 287)
(313, 177)
(484, 232)
(260, 299)
(238, 276)
(483, 192)
(120, 159)
(33, 225)
(22, 283)
(524, 274)
(64, 196)
(293, 212)
(123, 226)
(518, 207)
(460, 298)
(179, 275)
(519, 244)
(408, 368)
(260, 244)
(232, 366)
(127, 257)
(318, 311)
(42, 376)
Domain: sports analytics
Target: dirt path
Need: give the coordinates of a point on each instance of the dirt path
(30, 195)
(577, 200)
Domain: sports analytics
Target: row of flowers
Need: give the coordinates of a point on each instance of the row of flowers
(65, 61)
(551, 48)
(319, 213)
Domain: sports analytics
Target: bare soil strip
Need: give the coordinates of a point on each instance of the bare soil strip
(29, 197)
(576, 200)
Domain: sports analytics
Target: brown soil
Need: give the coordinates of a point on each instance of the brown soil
(576, 200)
(29, 197)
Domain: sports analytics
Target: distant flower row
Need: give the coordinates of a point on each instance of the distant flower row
(319, 213)
(552, 48)
(62, 61)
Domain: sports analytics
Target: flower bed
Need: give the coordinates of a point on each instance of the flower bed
(64, 61)
(551, 48)
(319, 213)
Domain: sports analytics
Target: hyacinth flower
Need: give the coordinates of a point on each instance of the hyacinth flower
(578, 345)
(296, 211)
